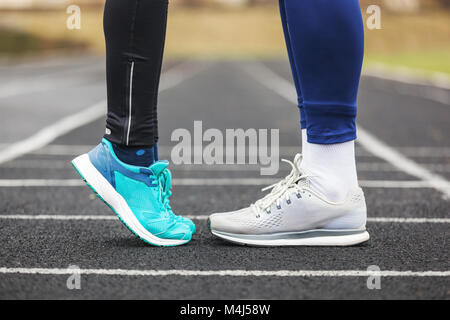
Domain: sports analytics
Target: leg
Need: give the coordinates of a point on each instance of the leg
(325, 47)
(123, 169)
(134, 33)
(327, 43)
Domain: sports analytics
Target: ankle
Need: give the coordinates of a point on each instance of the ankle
(329, 187)
(332, 169)
(136, 156)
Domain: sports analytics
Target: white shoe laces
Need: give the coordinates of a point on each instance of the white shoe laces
(283, 189)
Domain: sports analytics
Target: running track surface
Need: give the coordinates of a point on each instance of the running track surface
(55, 222)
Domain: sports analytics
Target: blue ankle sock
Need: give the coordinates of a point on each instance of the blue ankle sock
(137, 156)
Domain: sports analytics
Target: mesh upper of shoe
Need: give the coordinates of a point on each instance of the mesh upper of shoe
(249, 220)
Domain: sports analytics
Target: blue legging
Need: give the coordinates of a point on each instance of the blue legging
(325, 43)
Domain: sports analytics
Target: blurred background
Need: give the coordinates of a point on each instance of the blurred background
(225, 65)
(415, 33)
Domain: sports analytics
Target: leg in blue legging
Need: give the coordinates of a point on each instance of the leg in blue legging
(325, 41)
(325, 44)
(293, 66)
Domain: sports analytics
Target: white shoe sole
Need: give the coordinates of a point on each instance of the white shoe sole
(304, 238)
(105, 191)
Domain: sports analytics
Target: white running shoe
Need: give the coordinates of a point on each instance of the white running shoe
(294, 215)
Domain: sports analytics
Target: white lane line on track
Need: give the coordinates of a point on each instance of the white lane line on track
(387, 167)
(50, 133)
(199, 217)
(425, 152)
(48, 81)
(16, 183)
(229, 273)
(46, 135)
(408, 220)
(414, 152)
(409, 76)
(383, 151)
(361, 166)
(422, 91)
(285, 89)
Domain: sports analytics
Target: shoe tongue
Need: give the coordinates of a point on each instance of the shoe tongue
(303, 183)
(298, 160)
(159, 167)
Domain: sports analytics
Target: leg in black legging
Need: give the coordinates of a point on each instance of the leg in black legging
(135, 34)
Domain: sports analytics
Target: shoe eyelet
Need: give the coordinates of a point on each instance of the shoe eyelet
(268, 211)
(278, 207)
(288, 201)
(299, 195)
(257, 216)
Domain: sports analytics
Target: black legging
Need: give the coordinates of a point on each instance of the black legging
(134, 33)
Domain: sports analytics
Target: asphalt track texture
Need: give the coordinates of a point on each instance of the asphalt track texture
(223, 95)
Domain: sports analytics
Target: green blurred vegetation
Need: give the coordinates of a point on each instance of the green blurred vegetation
(428, 61)
(18, 43)
(417, 40)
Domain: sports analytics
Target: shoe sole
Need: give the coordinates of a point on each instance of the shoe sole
(105, 191)
(304, 238)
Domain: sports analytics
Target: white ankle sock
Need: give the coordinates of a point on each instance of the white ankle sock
(333, 167)
(304, 141)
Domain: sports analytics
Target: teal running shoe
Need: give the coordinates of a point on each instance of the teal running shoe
(166, 193)
(138, 195)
